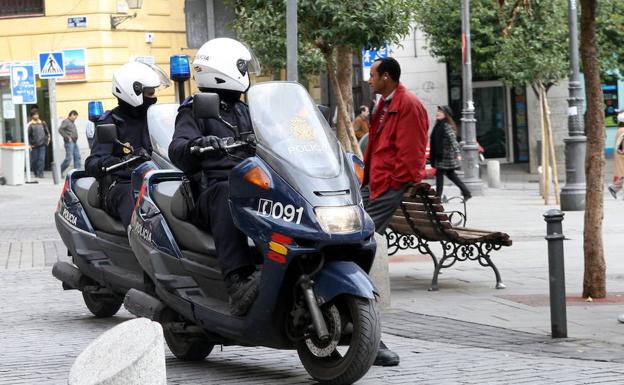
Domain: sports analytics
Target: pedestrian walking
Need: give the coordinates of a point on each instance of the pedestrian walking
(360, 124)
(445, 152)
(618, 158)
(70, 136)
(90, 133)
(395, 154)
(39, 139)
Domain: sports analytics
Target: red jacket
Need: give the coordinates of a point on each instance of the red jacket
(395, 155)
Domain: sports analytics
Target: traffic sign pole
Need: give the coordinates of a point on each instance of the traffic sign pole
(27, 151)
(54, 135)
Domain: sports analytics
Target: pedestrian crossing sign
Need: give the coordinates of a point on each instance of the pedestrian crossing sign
(51, 65)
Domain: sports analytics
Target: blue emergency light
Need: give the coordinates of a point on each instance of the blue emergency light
(95, 110)
(179, 67)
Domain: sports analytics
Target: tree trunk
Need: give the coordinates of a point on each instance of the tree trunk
(341, 134)
(344, 62)
(594, 284)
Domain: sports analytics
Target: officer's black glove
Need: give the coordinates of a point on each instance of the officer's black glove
(142, 153)
(208, 140)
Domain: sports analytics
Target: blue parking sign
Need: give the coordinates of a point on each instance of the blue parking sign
(23, 88)
(369, 56)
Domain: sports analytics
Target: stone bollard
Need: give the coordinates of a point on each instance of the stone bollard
(493, 173)
(131, 353)
(556, 273)
(379, 272)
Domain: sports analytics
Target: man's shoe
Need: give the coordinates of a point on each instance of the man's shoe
(466, 197)
(613, 192)
(242, 292)
(385, 356)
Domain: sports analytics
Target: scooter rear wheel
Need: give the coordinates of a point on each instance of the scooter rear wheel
(353, 322)
(185, 346)
(101, 307)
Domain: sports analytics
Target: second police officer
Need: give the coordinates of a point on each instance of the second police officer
(221, 66)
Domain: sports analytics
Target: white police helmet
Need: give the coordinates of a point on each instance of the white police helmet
(224, 63)
(132, 79)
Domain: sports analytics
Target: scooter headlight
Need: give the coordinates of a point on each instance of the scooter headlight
(339, 220)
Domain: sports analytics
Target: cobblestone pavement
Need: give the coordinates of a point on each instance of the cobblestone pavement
(43, 329)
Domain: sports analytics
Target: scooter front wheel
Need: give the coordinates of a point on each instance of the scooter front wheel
(184, 342)
(355, 330)
(102, 307)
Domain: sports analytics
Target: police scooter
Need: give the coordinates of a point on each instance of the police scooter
(104, 267)
(298, 202)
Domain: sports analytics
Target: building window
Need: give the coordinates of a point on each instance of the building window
(21, 8)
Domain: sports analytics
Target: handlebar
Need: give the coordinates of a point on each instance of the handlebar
(121, 164)
(200, 150)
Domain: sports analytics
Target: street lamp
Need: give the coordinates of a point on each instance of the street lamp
(469, 126)
(573, 193)
(132, 4)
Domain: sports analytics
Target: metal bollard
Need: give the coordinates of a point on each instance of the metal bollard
(556, 273)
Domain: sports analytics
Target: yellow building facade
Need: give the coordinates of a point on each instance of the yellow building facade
(154, 34)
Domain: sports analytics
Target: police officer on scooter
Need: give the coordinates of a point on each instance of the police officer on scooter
(221, 66)
(134, 86)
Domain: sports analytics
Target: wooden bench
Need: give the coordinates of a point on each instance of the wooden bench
(421, 219)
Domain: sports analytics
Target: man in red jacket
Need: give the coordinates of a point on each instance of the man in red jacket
(395, 155)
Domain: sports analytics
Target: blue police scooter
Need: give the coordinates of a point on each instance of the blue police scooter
(298, 202)
(103, 265)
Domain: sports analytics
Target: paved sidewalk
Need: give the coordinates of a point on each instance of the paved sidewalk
(466, 333)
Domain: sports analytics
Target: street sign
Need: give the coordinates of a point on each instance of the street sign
(23, 88)
(369, 56)
(51, 65)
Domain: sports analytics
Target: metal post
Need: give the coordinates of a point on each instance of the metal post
(55, 136)
(469, 126)
(291, 41)
(556, 273)
(573, 193)
(26, 143)
(181, 91)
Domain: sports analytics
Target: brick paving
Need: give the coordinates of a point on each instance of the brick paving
(467, 333)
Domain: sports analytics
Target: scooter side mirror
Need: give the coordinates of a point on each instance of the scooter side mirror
(106, 133)
(326, 111)
(206, 106)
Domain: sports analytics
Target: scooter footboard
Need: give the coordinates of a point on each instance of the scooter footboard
(342, 277)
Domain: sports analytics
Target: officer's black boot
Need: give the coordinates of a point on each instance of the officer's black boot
(385, 356)
(242, 290)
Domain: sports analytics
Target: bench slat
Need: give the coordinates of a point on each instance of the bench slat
(415, 214)
(422, 207)
(428, 234)
(417, 199)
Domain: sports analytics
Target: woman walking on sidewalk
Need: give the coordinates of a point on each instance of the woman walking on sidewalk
(618, 158)
(445, 155)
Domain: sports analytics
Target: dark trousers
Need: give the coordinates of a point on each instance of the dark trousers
(381, 208)
(454, 178)
(37, 160)
(120, 202)
(212, 212)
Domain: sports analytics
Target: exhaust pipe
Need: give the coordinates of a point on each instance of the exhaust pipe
(67, 273)
(142, 304)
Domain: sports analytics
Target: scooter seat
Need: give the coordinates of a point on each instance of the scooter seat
(86, 189)
(174, 207)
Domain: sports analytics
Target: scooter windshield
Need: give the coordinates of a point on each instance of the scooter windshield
(288, 124)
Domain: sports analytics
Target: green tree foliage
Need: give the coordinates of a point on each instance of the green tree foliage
(536, 45)
(262, 26)
(535, 50)
(329, 28)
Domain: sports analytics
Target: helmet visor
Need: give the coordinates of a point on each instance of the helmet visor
(253, 64)
(162, 76)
